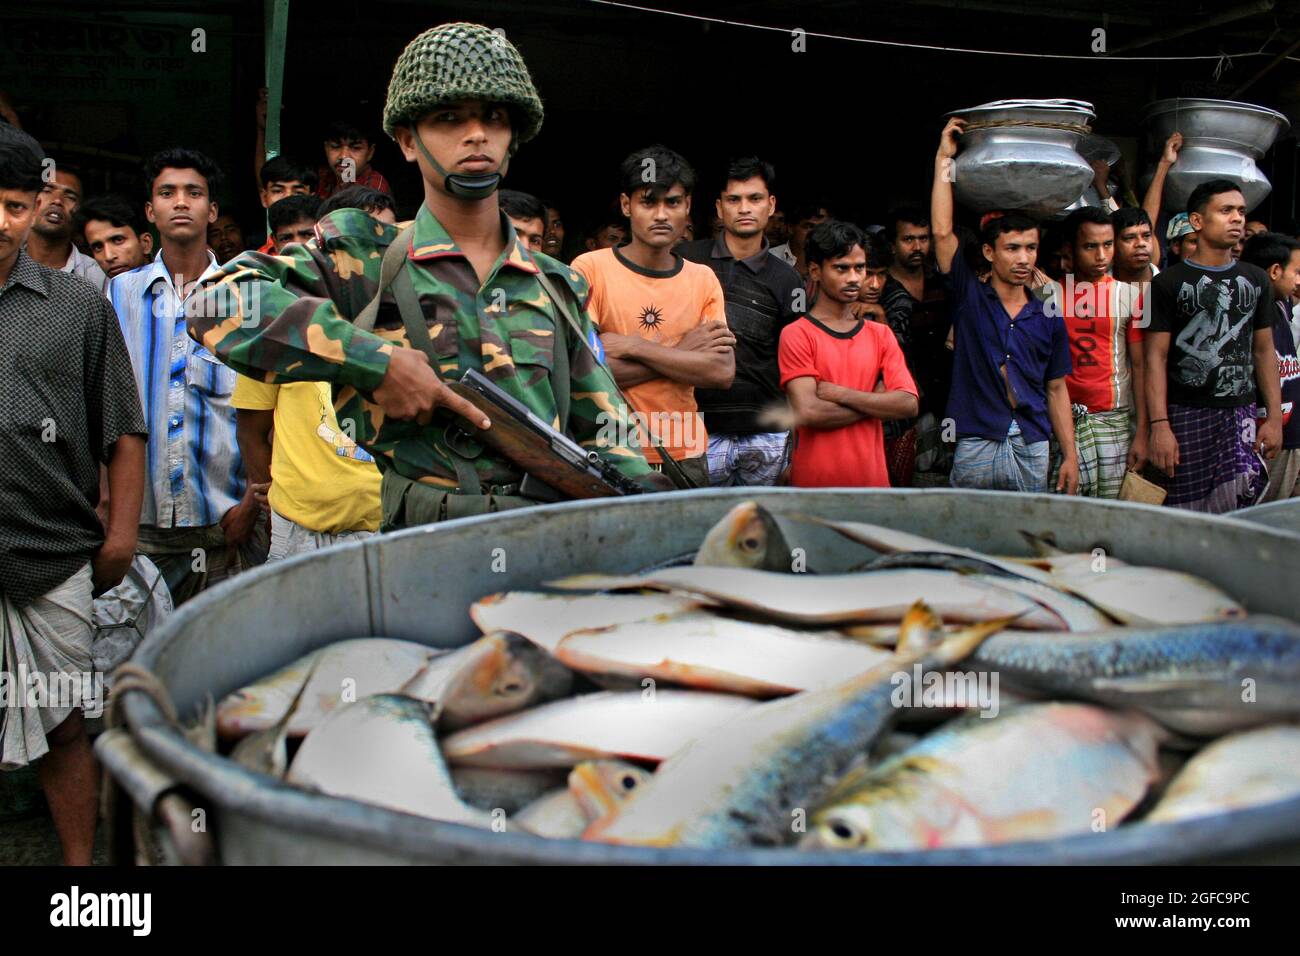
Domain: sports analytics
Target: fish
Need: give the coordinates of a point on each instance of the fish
(383, 750)
(497, 674)
(1203, 679)
(751, 779)
(266, 751)
(836, 598)
(1040, 771)
(594, 789)
(647, 725)
(1127, 593)
(506, 790)
(699, 649)
(1244, 769)
(746, 537)
(345, 670)
(545, 619)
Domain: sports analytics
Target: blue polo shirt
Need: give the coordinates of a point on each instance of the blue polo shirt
(1034, 347)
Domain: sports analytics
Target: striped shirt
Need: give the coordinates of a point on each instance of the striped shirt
(195, 474)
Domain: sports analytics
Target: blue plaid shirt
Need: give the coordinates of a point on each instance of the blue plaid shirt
(195, 474)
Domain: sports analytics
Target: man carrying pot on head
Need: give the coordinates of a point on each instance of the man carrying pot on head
(459, 104)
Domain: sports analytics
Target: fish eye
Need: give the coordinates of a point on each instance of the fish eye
(514, 687)
(751, 544)
(628, 781)
(843, 833)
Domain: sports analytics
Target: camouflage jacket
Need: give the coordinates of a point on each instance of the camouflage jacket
(289, 318)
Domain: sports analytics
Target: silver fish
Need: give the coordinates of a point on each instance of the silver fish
(1240, 770)
(545, 619)
(1201, 679)
(1130, 594)
(837, 598)
(594, 789)
(382, 750)
(497, 674)
(266, 751)
(699, 649)
(1041, 771)
(639, 725)
(747, 537)
(742, 783)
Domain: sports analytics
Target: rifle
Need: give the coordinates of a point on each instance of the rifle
(549, 458)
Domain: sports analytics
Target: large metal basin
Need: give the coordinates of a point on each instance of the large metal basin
(417, 584)
(1222, 139)
(1278, 515)
(1012, 163)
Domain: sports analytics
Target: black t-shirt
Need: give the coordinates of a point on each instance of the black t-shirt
(1288, 368)
(1212, 314)
(759, 293)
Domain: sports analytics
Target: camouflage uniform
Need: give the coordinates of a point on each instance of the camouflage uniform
(289, 318)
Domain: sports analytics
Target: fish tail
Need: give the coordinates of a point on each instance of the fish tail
(962, 643)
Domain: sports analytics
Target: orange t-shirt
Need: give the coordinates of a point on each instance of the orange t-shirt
(852, 456)
(662, 307)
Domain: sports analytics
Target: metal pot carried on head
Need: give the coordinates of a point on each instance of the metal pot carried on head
(1023, 154)
(1221, 140)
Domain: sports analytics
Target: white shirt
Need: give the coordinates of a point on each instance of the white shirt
(80, 264)
(784, 253)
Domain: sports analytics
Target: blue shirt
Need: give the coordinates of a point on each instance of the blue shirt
(194, 471)
(1033, 346)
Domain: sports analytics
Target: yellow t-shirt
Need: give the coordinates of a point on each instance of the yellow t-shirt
(320, 477)
(662, 307)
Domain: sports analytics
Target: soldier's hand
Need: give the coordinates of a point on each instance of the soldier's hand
(411, 389)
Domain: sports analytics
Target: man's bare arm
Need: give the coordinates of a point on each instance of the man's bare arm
(885, 405)
(813, 412)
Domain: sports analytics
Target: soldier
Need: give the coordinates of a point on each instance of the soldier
(459, 104)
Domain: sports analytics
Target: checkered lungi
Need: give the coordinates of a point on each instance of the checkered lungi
(1218, 470)
(756, 459)
(1102, 441)
(1010, 465)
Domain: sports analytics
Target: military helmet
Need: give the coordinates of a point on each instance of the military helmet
(458, 61)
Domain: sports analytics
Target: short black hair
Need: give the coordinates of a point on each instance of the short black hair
(293, 209)
(178, 157)
(1010, 222)
(670, 169)
(832, 239)
(747, 167)
(1266, 249)
(283, 169)
(611, 222)
(908, 212)
(1202, 194)
(1076, 220)
(805, 209)
(357, 197)
(112, 208)
(880, 253)
(1128, 217)
(19, 169)
(344, 129)
(522, 205)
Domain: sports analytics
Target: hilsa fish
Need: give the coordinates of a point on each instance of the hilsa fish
(1039, 772)
(1244, 769)
(1202, 679)
(746, 537)
(740, 784)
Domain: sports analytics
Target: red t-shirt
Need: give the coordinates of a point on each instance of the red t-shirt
(852, 456)
(1103, 321)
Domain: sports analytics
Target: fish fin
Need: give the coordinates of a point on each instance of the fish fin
(861, 533)
(1042, 546)
(920, 630)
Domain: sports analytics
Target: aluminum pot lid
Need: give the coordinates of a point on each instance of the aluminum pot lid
(1061, 105)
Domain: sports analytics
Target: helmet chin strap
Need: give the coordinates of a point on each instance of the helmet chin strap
(457, 184)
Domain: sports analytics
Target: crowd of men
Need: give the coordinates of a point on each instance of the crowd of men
(175, 394)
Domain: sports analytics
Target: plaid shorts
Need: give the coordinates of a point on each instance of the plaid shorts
(756, 459)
